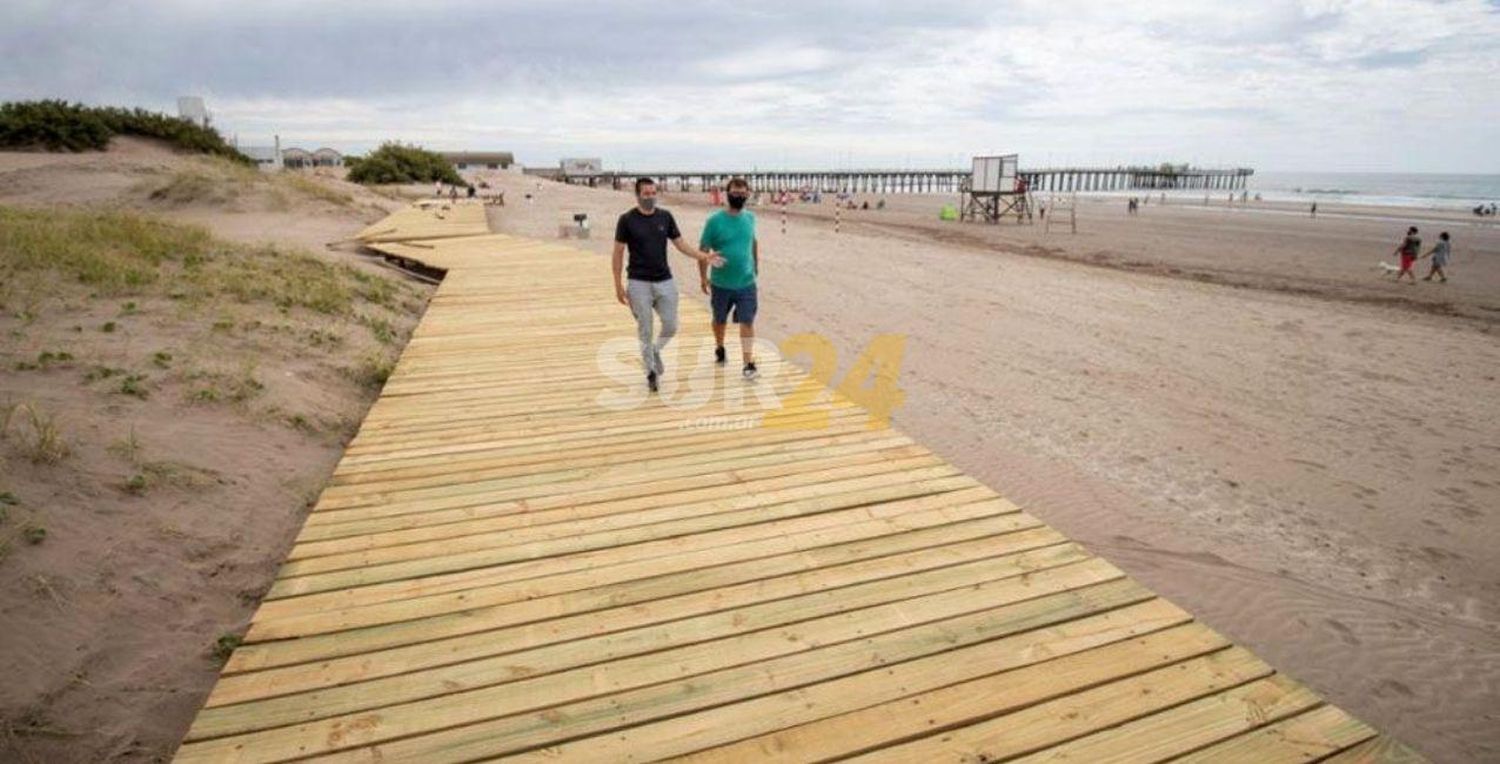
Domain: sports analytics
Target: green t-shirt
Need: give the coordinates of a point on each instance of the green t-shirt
(732, 236)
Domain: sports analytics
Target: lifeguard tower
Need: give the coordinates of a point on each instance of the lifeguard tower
(996, 190)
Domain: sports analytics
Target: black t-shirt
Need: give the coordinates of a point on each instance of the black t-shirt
(645, 236)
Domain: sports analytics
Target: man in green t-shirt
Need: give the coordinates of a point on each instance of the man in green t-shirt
(731, 286)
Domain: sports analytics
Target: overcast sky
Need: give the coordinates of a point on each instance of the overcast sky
(1395, 85)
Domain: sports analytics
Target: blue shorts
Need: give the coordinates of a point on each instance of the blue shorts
(741, 300)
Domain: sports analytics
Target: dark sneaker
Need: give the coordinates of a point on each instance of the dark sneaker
(750, 372)
(720, 356)
(651, 381)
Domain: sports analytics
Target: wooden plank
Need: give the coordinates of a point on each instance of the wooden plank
(522, 731)
(505, 565)
(802, 514)
(965, 729)
(814, 722)
(402, 600)
(405, 621)
(463, 707)
(541, 649)
(572, 618)
(1305, 737)
(1376, 750)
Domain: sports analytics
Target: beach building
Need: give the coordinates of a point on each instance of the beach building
(476, 166)
(297, 158)
(268, 158)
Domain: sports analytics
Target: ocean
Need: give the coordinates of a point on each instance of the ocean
(1378, 188)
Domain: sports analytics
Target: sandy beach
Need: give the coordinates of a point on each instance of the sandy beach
(1235, 405)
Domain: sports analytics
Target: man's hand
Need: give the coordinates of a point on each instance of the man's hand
(621, 296)
(712, 259)
(704, 283)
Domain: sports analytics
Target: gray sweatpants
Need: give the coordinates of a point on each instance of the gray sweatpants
(646, 296)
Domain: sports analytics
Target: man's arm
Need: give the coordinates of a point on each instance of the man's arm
(755, 252)
(617, 264)
(704, 259)
(704, 243)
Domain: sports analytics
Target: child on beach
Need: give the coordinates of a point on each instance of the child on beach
(1439, 254)
(1407, 251)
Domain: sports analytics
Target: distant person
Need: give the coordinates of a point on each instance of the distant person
(645, 230)
(437, 189)
(865, 205)
(472, 191)
(1314, 212)
(453, 193)
(1407, 251)
(880, 205)
(1439, 254)
(731, 286)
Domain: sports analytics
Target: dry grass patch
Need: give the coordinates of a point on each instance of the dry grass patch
(34, 432)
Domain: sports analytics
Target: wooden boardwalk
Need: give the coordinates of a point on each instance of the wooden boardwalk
(503, 566)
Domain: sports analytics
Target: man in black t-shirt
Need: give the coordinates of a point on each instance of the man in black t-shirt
(645, 231)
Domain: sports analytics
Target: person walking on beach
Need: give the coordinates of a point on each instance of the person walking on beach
(1314, 209)
(1439, 254)
(731, 285)
(1407, 251)
(645, 230)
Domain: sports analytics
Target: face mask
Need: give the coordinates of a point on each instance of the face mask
(648, 203)
(737, 202)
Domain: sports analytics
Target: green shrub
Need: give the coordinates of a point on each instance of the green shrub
(396, 163)
(60, 126)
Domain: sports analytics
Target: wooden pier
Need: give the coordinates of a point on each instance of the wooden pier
(877, 181)
(521, 557)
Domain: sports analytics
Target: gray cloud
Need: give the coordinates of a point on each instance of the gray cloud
(818, 83)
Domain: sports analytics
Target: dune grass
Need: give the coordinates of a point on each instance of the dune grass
(119, 254)
(314, 190)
